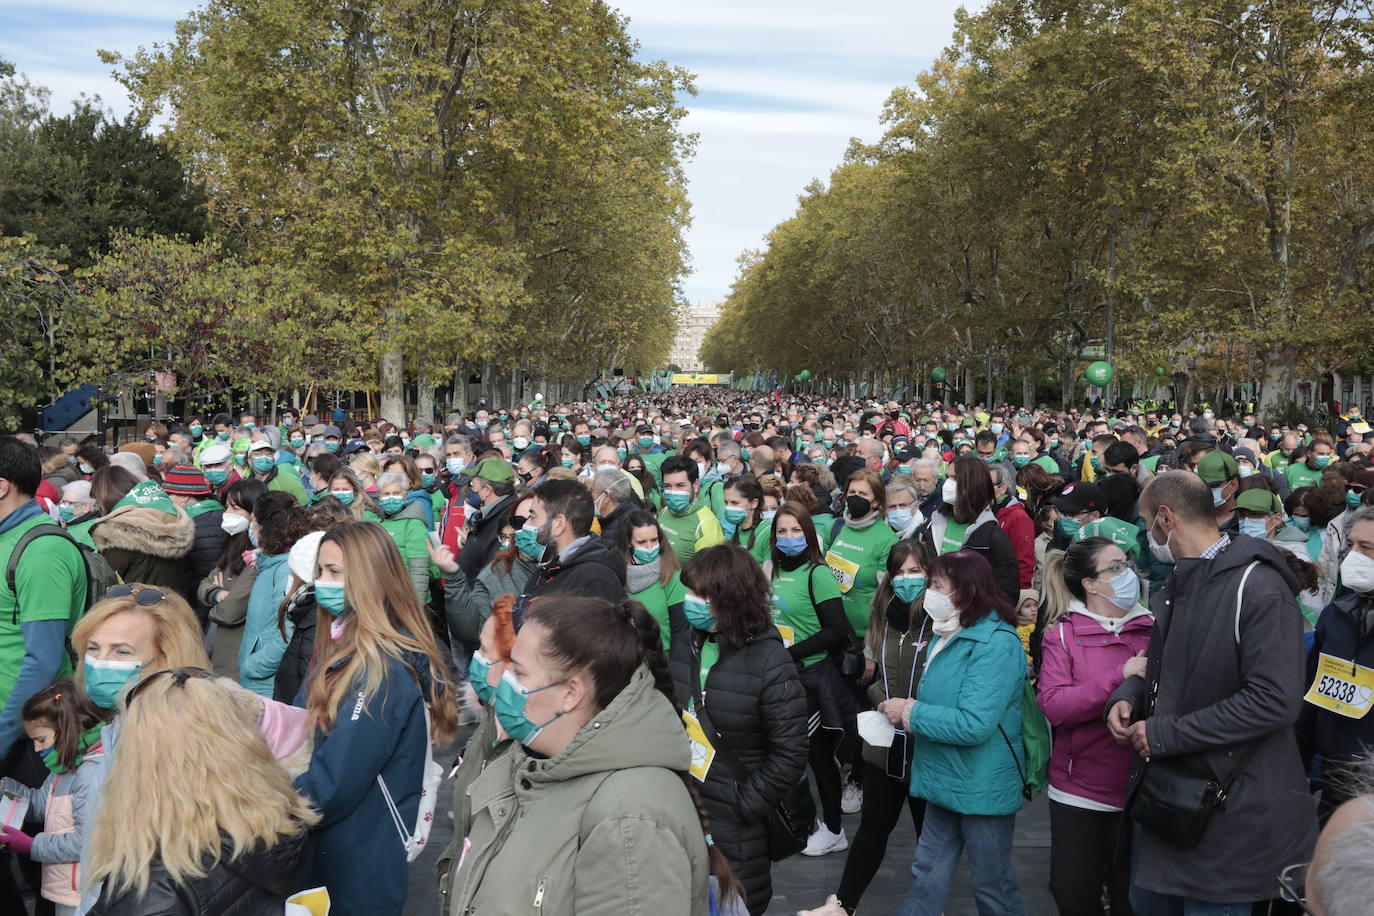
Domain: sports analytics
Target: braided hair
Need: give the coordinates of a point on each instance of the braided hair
(610, 642)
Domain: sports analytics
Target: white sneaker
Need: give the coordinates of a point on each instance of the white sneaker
(832, 908)
(823, 842)
(852, 801)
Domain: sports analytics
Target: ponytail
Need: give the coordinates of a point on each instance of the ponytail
(1057, 595)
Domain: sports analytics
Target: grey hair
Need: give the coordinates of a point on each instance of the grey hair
(1362, 514)
(78, 491)
(391, 477)
(728, 448)
(921, 464)
(130, 462)
(1005, 475)
(616, 483)
(902, 482)
(1345, 883)
(459, 439)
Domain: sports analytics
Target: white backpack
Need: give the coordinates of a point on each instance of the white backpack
(415, 840)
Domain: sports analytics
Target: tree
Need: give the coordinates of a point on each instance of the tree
(36, 289)
(476, 180)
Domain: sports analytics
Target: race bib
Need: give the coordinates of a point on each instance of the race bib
(788, 635)
(1336, 689)
(846, 571)
(703, 754)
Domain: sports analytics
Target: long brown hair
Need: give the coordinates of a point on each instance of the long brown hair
(386, 620)
(729, 578)
(896, 557)
(808, 527)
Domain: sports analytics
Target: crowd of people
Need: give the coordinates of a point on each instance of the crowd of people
(689, 632)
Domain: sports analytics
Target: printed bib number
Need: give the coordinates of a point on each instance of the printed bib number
(788, 635)
(846, 571)
(703, 754)
(1336, 689)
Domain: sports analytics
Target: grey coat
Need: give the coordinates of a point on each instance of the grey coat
(467, 607)
(1228, 679)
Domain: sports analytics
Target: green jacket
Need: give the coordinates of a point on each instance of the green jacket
(286, 480)
(408, 529)
(696, 529)
(607, 826)
(485, 746)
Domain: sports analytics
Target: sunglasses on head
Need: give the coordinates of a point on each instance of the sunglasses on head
(179, 678)
(145, 597)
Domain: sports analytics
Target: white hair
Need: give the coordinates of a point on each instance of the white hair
(130, 462)
(78, 491)
(1345, 883)
(391, 477)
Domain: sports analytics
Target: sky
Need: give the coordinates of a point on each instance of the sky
(782, 87)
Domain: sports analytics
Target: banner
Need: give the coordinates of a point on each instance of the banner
(700, 378)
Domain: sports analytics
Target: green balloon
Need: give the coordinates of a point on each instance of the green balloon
(937, 374)
(804, 375)
(1161, 371)
(1099, 373)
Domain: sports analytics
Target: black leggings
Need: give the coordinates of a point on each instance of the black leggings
(1088, 849)
(882, 809)
(824, 742)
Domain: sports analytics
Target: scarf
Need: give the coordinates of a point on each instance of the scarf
(862, 524)
(898, 615)
(89, 738)
(639, 576)
(946, 630)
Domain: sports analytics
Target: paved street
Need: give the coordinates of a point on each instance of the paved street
(801, 882)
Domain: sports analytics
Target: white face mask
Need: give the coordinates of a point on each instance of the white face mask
(949, 491)
(1357, 572)
(1162, 552)
(939, 606)
(233, 524)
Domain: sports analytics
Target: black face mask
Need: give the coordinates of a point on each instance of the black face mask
(857, 506)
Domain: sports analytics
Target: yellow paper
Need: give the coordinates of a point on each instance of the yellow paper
(703, 754)
(846, 571)
(314, 902)
(787, 634)
(1338, 689)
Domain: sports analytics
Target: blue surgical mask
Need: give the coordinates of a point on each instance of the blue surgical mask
(792, 547)
(426, 479)
(1020, 461)
(566, 462)
(1068, 526)
(1254, 527)
(196, 431)
(768, 515)
(510, 708)
(454, 465)
(330, 596)
(735, 514)
(1352, 499)
(527, 539)
(263, 464)
(68, 513)
(900, 519)
(584, 440)
(391, 504)
(1125, 589)
(297, 441)
(698, 612)
(478, 669)
(647, 555)
(908, 587)
(253, 535)
(344, 496)
(1302, 522)
(676, 500)
(104, 679)
(1217, 497)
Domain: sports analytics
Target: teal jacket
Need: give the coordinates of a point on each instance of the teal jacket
(263, 646)
(972, 686)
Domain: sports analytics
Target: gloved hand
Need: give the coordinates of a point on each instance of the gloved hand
(17, 840)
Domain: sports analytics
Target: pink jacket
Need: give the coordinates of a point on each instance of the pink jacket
(1080, 667)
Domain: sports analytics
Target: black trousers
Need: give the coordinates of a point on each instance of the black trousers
(26, 767)
(1088, 849)
(883, 797)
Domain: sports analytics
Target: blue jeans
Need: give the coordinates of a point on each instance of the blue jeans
(944, 834)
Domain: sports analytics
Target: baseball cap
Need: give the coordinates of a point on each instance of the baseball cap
(1080, 497)
(494, 470)
(1217, 467)
(1122, 534)
(333, 431)
(214, 454)
(261, 445)
(1259, 499)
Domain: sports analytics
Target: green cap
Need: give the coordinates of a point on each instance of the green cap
(1217, 467)
(494, 470)
(1260, 500)
(424, 440)
(1122, 534)
(1048, 463)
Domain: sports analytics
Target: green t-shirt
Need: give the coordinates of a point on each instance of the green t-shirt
(763, 541)
(51, 579)
(657, 598)
(710, 654)
(695, 530)
(203, 506)
(794, 614)
(856, 557)
(825, 523)
(1300, 475)
(955, 535)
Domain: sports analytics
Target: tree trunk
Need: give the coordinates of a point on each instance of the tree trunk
(1279, 383)
(1066, 381)
(424, 399)
(392, 380)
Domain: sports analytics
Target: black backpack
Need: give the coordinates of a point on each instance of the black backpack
(99, 574)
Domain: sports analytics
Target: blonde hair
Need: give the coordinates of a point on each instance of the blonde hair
(176, 633)
(1056, 596)
(192, 768)
(361, 501)
(365, 462)
(386, 620)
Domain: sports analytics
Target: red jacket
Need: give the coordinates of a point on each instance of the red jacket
(1016, 522)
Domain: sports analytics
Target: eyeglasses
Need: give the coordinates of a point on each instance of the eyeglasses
(1293, 885)
(1115, 569)
(145, 597)
(179, 678)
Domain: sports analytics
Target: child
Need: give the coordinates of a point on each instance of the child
(65, 728)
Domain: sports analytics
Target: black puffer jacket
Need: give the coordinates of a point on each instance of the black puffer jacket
(593, 569)
(756, 702)
(295, 663)
(201, 561)
(988, 538)
(257, 884)
(481, 543)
